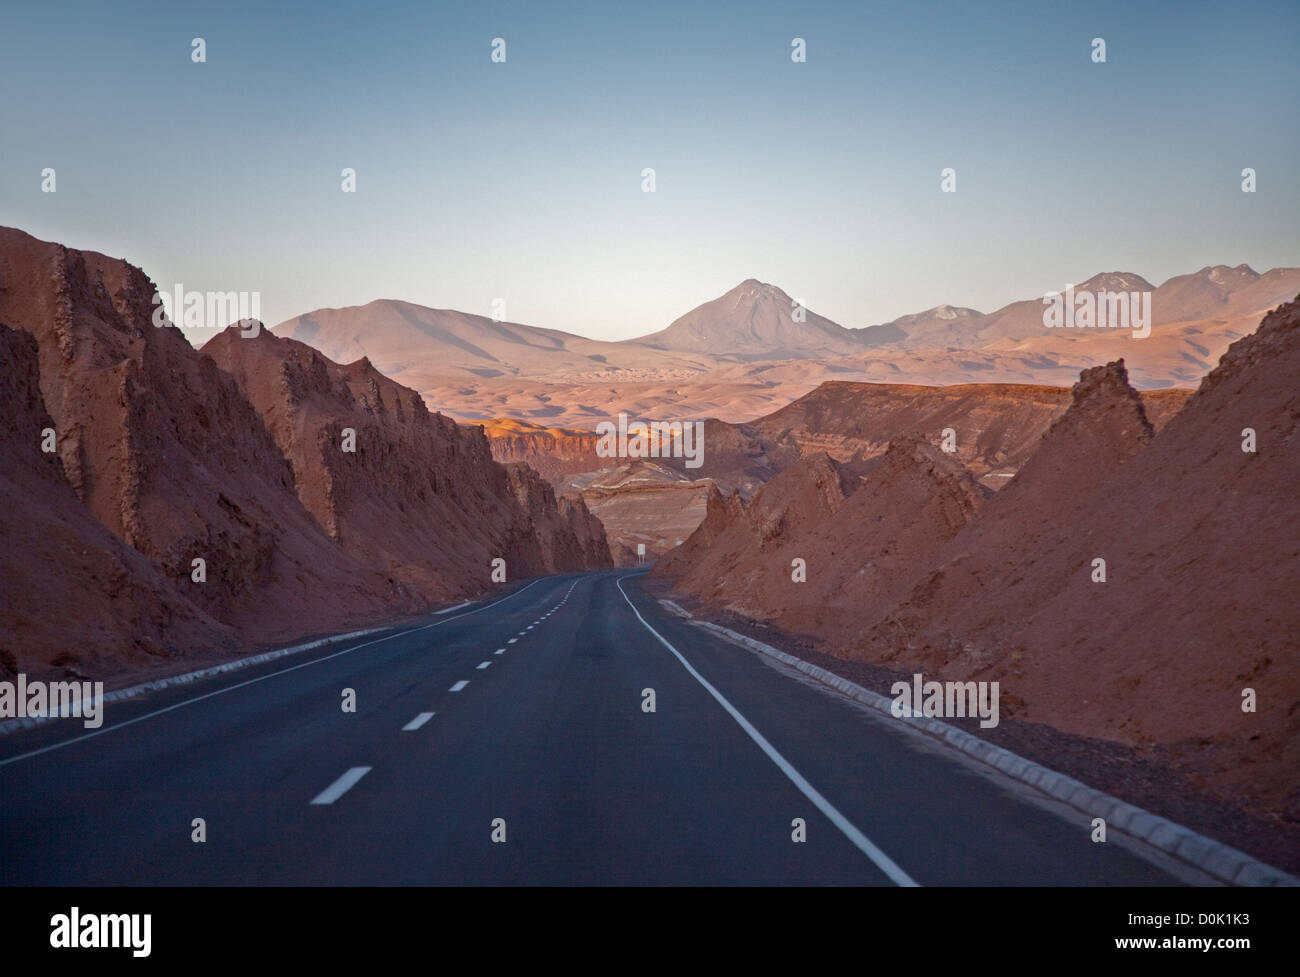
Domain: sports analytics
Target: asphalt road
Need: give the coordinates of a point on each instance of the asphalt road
(537, 719)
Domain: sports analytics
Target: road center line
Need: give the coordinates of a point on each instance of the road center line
(861, 841)
(417, 722)
(459, 685)
(341, 786)
(483, 665)
(254, 681)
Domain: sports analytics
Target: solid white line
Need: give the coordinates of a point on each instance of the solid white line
(483, 665)
(341, 786)
(417, 722)
(454, 607)
(458, 686)
(254, 681)
(861, 841)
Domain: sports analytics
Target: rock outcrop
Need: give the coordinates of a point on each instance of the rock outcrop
(804, 560)
(568, 535)
(164, 449)
(408, 491)
(74, 599)
(1126, 584)
(228, 514)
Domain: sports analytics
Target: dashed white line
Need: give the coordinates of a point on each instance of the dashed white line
(483, 665)
(861, 841)
(512, 641)
(253, 681)
(417, 722)
(459, 685)
(341, 786)
(499, 651)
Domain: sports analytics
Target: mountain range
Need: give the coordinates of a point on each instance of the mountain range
(755, 348)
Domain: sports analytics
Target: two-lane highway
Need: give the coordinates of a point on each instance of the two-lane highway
(510, 741)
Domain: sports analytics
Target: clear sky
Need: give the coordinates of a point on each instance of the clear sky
(522, 180)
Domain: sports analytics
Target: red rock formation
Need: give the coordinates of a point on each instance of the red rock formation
(857, 552)
(167, 453)
(978, 585)
(643, 502)
(74, 600)
(719, 513)
(725, 559)
(165, 450)
(420, 497)
(589, 531)
(569, 536)
(997, 426)
(1201, 547)
(554, 453)
(1202, 552)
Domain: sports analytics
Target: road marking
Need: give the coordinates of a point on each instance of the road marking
(459, 685)
(454, 607)
(483, 665)
(861, 841)
(417, 722)
(341, 786)
(254, 681)
(512, 641)
(499, 651)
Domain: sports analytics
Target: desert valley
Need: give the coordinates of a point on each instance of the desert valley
(350, 465)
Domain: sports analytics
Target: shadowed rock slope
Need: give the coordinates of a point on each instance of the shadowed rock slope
(74, 599)
(419, 498)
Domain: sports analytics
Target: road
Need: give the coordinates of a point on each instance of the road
(522, 716)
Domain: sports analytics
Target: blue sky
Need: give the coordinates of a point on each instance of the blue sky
(522, 180)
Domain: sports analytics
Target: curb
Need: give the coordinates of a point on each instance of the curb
(1212, 857)
(25, 722)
